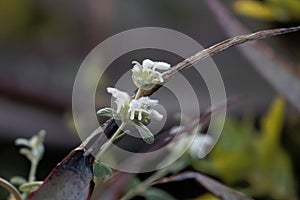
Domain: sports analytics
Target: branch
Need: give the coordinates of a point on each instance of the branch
(198, 57)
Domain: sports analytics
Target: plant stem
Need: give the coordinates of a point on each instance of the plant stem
(138, 93)
(110, 141)
(32, 171)
(142, 187)
(9, 187)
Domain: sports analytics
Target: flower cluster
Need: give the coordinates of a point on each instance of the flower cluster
(145, 75)
(139, 110)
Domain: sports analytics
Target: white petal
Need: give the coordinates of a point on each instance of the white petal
(118, 94)
(156, 115)
(148, 63)
(135, 69)
(140, 115)
(159, 76)
(161, 66)
(132, 115)
(147, 101)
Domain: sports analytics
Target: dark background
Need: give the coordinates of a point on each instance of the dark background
(43, 43)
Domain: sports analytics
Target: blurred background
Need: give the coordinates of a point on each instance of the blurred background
(43, 43)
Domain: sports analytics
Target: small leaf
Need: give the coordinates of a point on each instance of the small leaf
(107, 112)
(27, 153)
(22, 141)
(28, 187)
(18, 180)
(145, 133)
(155, 193)
(101, 170)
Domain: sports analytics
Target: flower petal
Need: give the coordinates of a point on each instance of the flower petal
(148, 63)
(156, 115)
(161, 66)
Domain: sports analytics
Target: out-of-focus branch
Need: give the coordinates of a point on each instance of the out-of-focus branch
(271, 65)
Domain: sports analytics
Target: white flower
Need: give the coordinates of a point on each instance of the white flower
(144, 76)
(127, 108)
(122, 98)
(143, 105)
(200, 145)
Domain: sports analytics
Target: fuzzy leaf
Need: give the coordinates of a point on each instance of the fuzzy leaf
(107, 112)
(101, 170)
(27, 153)
(145, 133)
(28, 187)
(18, 180)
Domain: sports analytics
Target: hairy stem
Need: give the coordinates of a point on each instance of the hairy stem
(110, 141)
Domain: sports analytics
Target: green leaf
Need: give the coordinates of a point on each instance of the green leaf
(22, 141)
(18, 180)
(27, 153)
(155, 193)
(107, 112)
(145, 133)
(28, 187)
(101, 170)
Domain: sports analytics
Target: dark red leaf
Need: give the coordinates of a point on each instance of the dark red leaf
(213, 186)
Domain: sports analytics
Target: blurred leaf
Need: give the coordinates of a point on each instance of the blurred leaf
(233, 154)
(271, 65)
(270, 10)
(18, 180)
(27, 153)
(101, 170)
(206, 197)
(213, 186)
(28, 187)
(145, 133)
(254, 9)
(244, 154)
(274, 169)
(155, 193)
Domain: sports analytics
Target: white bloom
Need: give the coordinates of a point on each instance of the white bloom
(143, 105)
(144, 76)
(156, 115)
(122, 98)
(200, 145)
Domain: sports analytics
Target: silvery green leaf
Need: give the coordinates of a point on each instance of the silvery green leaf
(22, 141)
(27, 153)
(107, 112)
(17, 180)
(145, 133)
(41, 137)
(28, 187)
(101, 170)
(155, 193)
